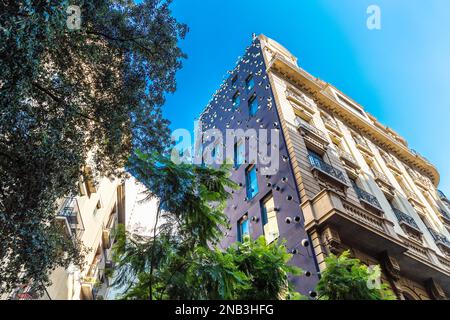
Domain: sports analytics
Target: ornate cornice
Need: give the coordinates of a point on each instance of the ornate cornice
(320, 91)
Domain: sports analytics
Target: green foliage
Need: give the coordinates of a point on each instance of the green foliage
(179, 260)
(64, 93)
(267, 269)
(348, 279)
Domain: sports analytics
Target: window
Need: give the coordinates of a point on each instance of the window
(269, 219)
(251, 182)
(215, 153)
(243, 229)
(236, 100)
(252, 106)
(350, 105)
(315, 159)
(234, 80)
(239, 153)
(315, 155)
(249, 83)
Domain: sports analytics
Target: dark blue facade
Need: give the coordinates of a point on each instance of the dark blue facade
(221, 114)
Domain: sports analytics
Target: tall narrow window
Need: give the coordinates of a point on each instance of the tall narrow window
(249, 83)
(243, 229)
(236, 100)
(251, 182)
(215, 153)
(252, 106)
(269, 219)
(239, 153)
(234, 80)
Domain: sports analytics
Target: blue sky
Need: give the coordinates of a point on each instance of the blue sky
(400, 74)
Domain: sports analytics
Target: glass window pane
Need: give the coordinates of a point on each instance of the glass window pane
(252, 106)
(243, 229)
(269, 219)
(250, 83)
(239, 154)
(236, 100)
(252, 182)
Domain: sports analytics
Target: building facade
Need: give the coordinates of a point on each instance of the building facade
(345, 181)
(90, 216)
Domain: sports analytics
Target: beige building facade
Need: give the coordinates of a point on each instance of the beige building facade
(91, 216)
(361, 187)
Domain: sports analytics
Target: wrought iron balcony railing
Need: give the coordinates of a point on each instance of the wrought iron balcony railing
(406, 218)
(444, 214)
(327, 168)
(443, 197)
(69, 210)
(367, 197)
(439, 238)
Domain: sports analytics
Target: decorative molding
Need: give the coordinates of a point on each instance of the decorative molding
(331, 240)
(435, 290)
(391, 266)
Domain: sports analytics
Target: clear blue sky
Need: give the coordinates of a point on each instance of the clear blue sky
(400, 74)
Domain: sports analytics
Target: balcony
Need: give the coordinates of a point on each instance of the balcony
(311, 134)
(330, 209)
(408, 224)
(348, 159)
(70, 214)
(327, 170)
(381, 177)
(109, 263)
(288, 67)
(362, 145)
(391, 164)
(441, 241)
(300, 102)
(421, 182)
(383, 182)
(445, 217)
(109, 231)
(405, 218)
(369, 200)
(443, 197)
(414, 200)
(331, 125)
(92, 280)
